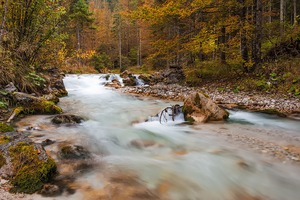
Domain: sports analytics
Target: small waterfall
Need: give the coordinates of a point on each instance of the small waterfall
(138, 81)
(108, 78)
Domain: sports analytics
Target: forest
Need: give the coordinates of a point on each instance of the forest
(257, 40)
(150, 99)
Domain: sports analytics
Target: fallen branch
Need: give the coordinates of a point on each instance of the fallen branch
(170, 111)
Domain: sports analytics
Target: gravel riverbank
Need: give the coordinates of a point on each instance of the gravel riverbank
(225, 97)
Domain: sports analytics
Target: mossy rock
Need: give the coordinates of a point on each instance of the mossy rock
(29, 104)
(31, 172)
(4, 139)
(5, 128)
(74, 152)
(67, 119)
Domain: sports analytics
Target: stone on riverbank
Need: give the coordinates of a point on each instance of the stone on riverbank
(115, 83)
(29, 104)
(25, 164)
(199, 109)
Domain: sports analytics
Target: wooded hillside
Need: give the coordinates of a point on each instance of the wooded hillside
(84, 36)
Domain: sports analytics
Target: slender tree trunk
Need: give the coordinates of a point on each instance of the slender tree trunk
(257, 35)
(270, 12)
(295, 12)
(222, 42)
(244, 47)
(139, 50)
(78, 37)
(3, 20)
(282, 3)
(120, 47)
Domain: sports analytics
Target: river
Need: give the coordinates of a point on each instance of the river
(134, 159)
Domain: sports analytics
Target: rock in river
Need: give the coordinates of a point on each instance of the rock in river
(199, 108)
(67, 119)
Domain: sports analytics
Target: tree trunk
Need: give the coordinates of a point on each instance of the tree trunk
(139, 50)
(270, 11)
(222, 42)
(244, 47)
(282, 3)
(78, 47)
(3, 20)
(295, 12)
(120, 47)
(257, 35)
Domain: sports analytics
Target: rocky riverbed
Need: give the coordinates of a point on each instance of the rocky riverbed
(284, 148)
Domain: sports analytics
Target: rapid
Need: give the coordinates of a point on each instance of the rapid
(135, 159)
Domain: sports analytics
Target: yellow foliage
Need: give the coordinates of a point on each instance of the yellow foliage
(85, 55)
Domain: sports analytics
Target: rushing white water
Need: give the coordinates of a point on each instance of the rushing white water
(188, 162)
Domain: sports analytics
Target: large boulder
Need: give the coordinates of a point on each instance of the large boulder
(35, 105)
(28, 104)
(199, 108)
(25, 164)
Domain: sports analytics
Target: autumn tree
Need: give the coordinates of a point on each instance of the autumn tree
(29, 36)
(80, 18)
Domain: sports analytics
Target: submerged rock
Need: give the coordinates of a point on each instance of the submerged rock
(47, 142)
(199, 108)
(50, 190)
(141, 143)
(74, 152)
(67, 119)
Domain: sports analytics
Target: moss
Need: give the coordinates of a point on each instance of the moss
(50, 107)
(2, 160)
(18, 110)
(5, 128)
(187, 110)
(4, 139)
(30, 172)
(197, 99)
(40, 107)
(189, 120)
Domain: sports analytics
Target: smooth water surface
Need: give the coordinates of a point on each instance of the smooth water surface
(173, 161)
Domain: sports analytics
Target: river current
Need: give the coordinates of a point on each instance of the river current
(165, 160)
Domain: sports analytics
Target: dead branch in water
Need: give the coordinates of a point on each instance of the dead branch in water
(170, 111)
